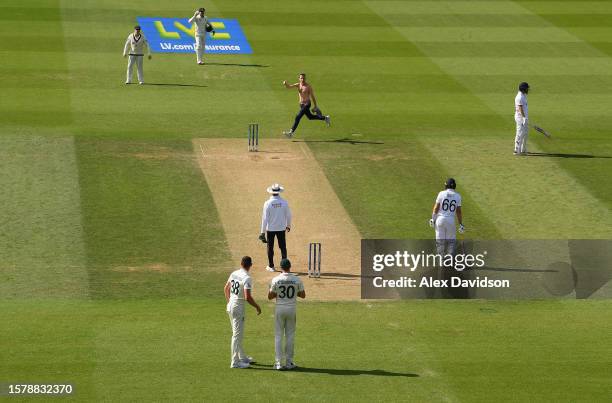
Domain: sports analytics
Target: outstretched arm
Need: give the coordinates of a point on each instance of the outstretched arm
(290, 85)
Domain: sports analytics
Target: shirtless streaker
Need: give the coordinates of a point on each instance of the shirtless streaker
(305, 94)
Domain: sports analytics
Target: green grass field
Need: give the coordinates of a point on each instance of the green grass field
(113, 257)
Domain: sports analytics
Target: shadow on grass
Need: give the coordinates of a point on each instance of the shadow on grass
(235, 64)
(559, 155)
(335, 276)
(341, 372)
(344, 140)
(515, 270)
(176, 85)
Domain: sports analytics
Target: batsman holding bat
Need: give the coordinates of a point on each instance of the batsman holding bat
(521, 117)
(445, 209)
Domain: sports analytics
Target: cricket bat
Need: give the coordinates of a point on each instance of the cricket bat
(539, 129)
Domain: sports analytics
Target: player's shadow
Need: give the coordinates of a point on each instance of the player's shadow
(560, 155)
(236, 64)
(333, 276)
(344, 140)
(508, 269)
(341, 372)
(177, 85)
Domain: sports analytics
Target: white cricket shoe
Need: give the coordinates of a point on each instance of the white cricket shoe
(277, 365)
(271, 269)
(288, 133)
(328, 120)
(290, 365)
(140, 82)
(248, 360)
(240, 364)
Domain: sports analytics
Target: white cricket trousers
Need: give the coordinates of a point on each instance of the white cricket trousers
(520, 141)
(445, 235)
(284, 326)
(236, 316)
(199, 46)
(138, 61)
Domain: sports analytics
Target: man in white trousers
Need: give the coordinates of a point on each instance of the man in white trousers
(237, 290)
(135, 47)
(446, 207)
(200, 21)
(521, 117)
(285, 287)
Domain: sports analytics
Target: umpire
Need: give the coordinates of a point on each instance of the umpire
(275, 222)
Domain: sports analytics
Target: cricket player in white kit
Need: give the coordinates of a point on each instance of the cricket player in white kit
(285, 287)
(200, 21)
(238, 290)
(521, 117)
(135, 47)
(447, 205)
(275, 223)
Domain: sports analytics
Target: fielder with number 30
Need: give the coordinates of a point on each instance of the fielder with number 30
(285, 287)
(447, 205)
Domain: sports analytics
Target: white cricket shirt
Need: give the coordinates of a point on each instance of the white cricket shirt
(200, 24)
(449, 201)
(520, 99)
(276, 215)
(136, 45)
(286, 286)
(239, 281)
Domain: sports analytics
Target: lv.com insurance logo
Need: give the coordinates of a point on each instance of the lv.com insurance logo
(176, 35)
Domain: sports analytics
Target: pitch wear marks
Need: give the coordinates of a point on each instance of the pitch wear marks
(178, 35)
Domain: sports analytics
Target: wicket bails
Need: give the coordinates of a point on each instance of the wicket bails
(314, 259)
(253, 136)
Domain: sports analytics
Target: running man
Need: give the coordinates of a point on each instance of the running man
(237, 290)
(200, 21)
(521, 117)
(275, 223)
(447, 205)
(285, 287)
(134, 48)
(305, 94)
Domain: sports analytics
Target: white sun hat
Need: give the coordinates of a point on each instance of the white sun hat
(276, 188)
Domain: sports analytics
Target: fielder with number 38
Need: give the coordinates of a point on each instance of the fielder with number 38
(447, 205)
(285, 287)
(238, 290)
